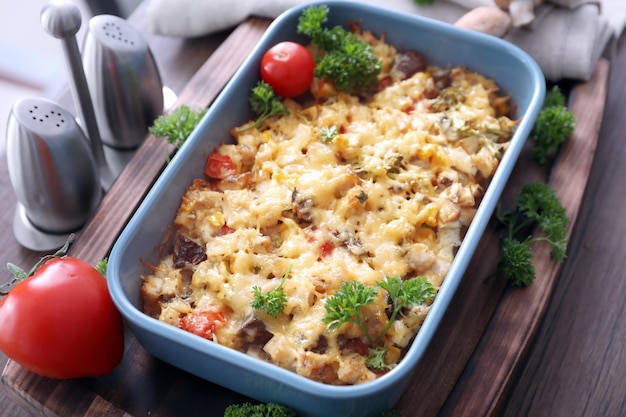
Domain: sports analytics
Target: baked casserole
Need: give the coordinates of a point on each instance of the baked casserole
(344, 188)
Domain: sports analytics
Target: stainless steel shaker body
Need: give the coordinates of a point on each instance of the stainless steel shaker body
(52, 170)
(124, 81)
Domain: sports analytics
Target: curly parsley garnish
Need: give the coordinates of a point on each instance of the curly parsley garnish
(554, 125)
(176, 126)
(274, 302)
(403, 294)
(537, 204)
(248, 409)
(329, 133)
(345, 305)
(344, 59)
(265, 103)
(376, 359)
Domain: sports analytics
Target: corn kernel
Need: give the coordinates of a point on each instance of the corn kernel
(279, 177)
(425, 234)
(426, 151)
(341, 142)
(440, 161)
(216, 219)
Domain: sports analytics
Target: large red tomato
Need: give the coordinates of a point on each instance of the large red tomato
(288, 68)
(61, 322)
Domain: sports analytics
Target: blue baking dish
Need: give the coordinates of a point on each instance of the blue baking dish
(443, 45)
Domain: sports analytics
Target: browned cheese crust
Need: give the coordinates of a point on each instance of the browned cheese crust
(390, 194)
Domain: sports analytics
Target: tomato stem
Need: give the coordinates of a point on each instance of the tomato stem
(19, 274)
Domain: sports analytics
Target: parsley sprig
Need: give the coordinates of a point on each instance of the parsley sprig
(345, 306)
(177, 125)
(344, 59)
(329, 133)
(274, 302)
(248, 409)
(265, 103)
(404, 294)
(537, 204)
(554, 125)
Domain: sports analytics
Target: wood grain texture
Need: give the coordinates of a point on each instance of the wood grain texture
(453, 378)
(577, 367)
(520, 310)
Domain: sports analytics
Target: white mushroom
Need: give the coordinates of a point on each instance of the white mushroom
(522, 11)
(485, 19)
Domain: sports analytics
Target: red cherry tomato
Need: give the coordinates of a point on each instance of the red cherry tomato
(61, 322)
(219, 166)
(288, 68)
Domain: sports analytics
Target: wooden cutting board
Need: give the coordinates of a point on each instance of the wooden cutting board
(475, 354)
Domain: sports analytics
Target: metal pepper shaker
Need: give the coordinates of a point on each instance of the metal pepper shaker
(124, 83)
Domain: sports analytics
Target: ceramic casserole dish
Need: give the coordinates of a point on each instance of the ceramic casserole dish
(442, 45)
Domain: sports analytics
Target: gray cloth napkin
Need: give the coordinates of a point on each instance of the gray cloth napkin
(567, 37)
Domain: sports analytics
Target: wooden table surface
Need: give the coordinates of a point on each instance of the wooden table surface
(553, 349)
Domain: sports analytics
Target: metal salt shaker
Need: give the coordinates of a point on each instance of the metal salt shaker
(53, 172)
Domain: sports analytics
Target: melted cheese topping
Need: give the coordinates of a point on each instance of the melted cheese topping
(389, 195)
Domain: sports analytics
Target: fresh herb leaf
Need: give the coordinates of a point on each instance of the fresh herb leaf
(554, 125)
(264, 103)
(176, 126)
(352, 67)
(537, 204)
(276, 410)
(554, 98)
(343, 58)
(274, 302)
(517, 261)
(406, 293)
(376, 359)
(344, 306)
(393, 164)
(258, 410)
(329, 133)
(403, 294)
(311, 23)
